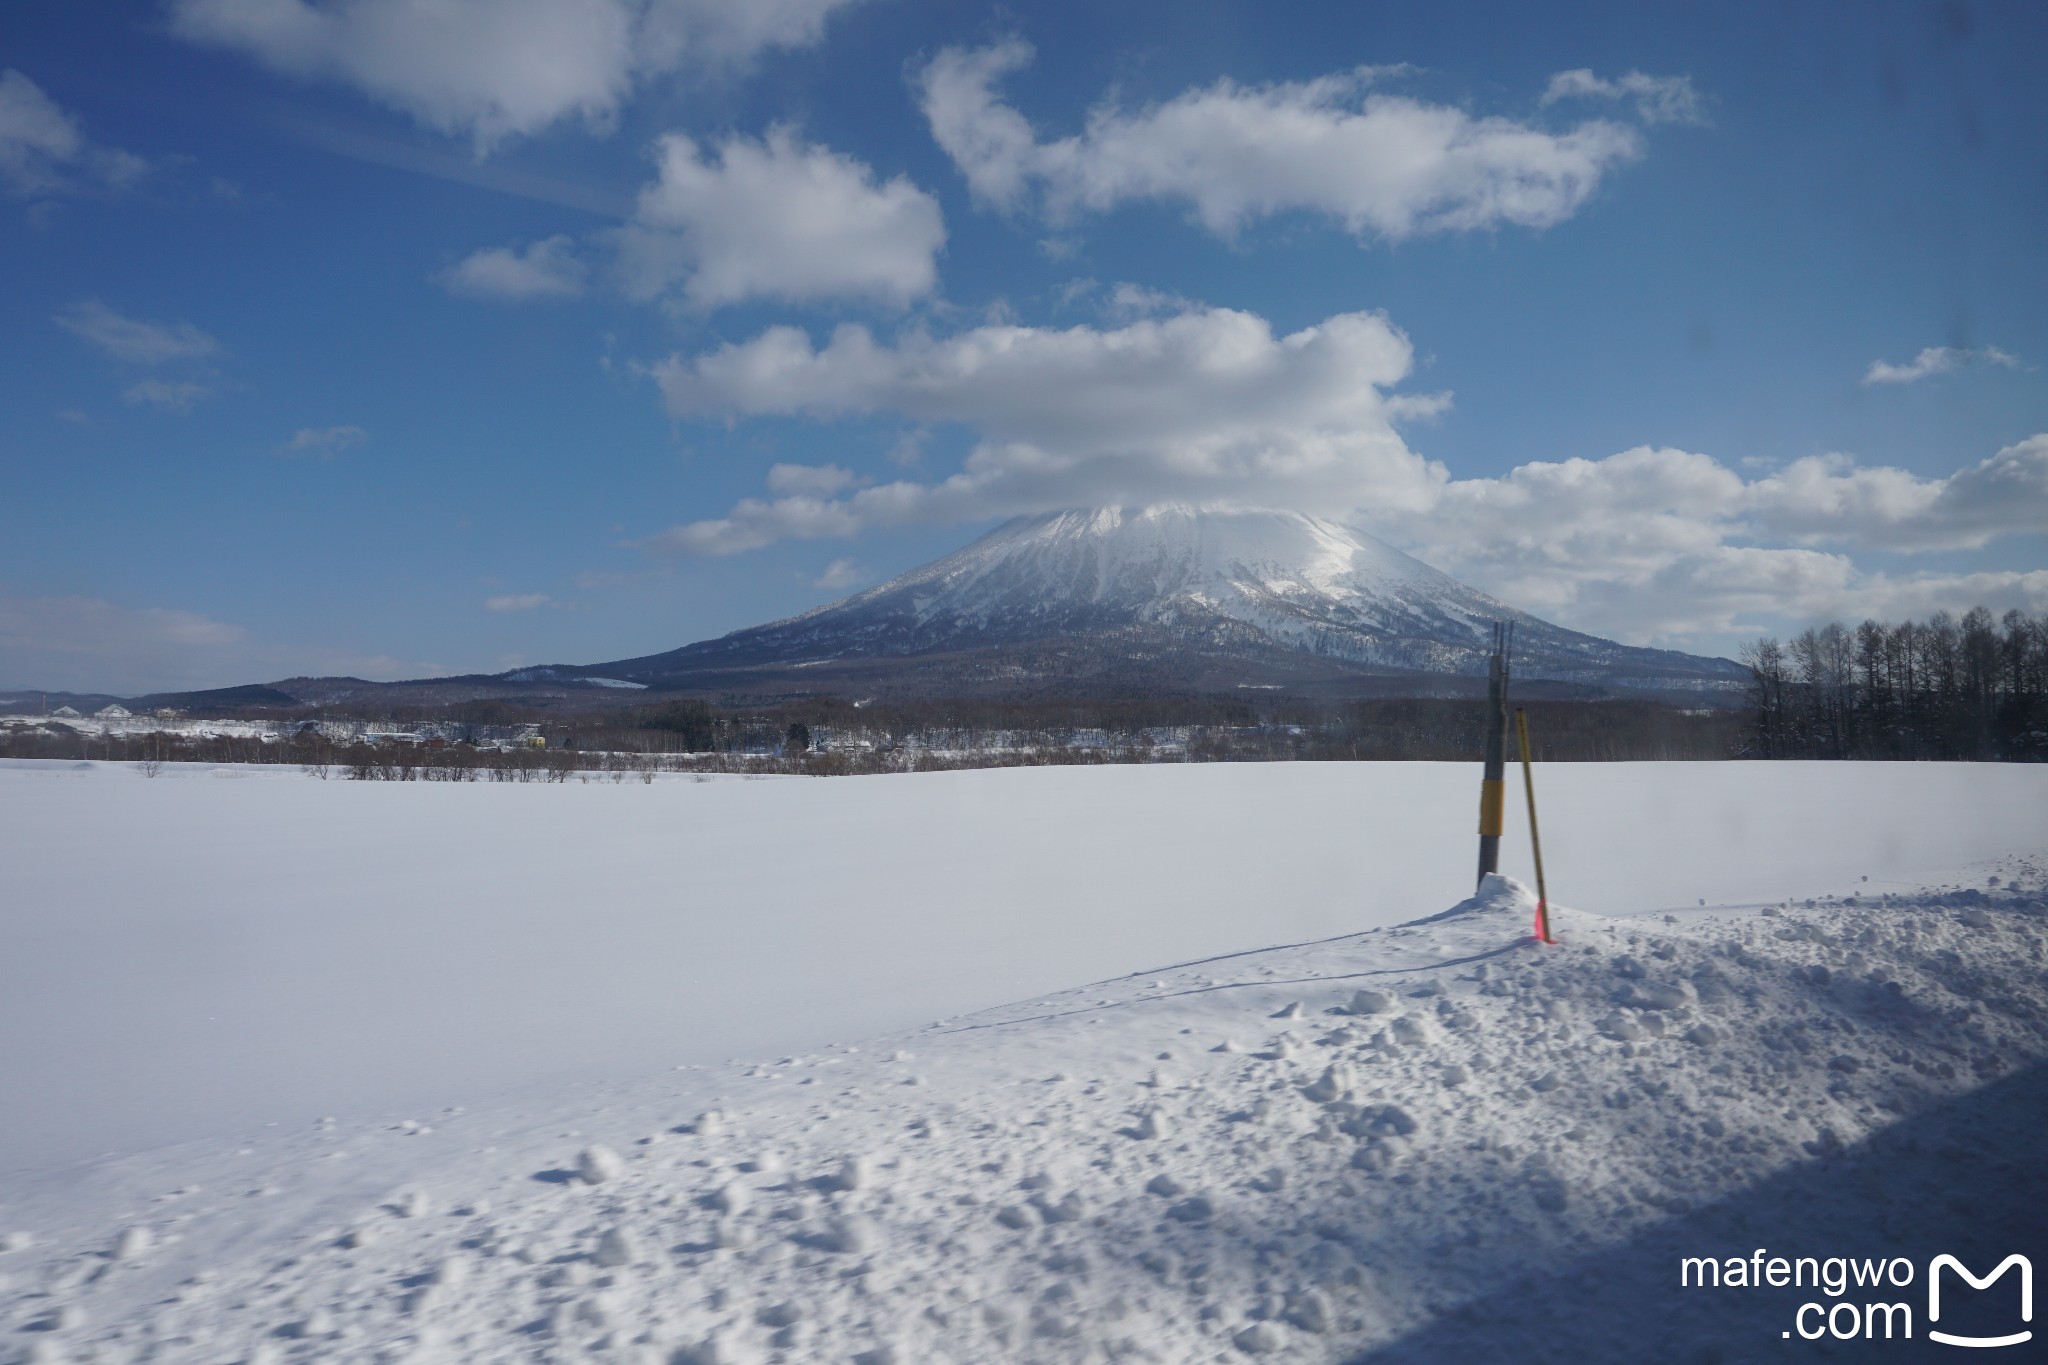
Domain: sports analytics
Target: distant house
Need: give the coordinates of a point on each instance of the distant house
(114, 712)
(65, 711)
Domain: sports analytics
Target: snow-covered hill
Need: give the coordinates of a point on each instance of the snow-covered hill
(1182, 595)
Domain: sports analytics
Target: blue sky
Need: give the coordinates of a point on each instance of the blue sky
(397, 337)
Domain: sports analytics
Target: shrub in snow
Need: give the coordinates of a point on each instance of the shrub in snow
(599, 1164)
(1371, 1002)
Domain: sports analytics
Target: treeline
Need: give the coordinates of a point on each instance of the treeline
(1974, 689)
(826, 737)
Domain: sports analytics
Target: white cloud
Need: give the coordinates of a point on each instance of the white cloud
(134, 340)
(778, 218)
(1828, 498)
(326, 442)
(1658, 99)
(88, 644)
(44, 151)
(1128, 300)
(1383, 165)
(1665, 544)
(673, 31)
(492, 69)
(818, 480)
(523, 601)
(166, 395)
(840, 573)
(1934, 360)
(1206, 405)
(547, 269)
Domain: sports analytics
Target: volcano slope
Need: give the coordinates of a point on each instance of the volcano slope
(1438, 1141)
(1159, 598)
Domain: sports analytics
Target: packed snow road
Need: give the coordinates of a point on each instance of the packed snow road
(217, 949)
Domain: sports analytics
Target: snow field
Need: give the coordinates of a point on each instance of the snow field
(1302, 1154)
(202, 954)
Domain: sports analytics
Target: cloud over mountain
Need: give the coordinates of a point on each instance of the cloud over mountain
(1211, 406)
(1204, 405)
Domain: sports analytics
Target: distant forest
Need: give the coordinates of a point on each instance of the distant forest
(824, 737)
(1939, 689)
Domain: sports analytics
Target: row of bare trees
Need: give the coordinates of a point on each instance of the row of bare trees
(1974, 688)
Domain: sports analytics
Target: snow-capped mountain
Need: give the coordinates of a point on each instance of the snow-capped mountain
(1168, 595)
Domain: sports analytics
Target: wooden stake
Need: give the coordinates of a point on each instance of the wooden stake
(1535, 839)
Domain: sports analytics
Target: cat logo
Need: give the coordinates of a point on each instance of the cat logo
(1934, 1298)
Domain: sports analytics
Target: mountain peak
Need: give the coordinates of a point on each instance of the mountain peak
(1172, 595)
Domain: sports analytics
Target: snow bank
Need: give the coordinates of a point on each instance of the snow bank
(1420, 1142)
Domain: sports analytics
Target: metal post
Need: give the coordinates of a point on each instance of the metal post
(1492, 786)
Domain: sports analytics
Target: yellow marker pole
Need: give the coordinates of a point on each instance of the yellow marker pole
(1492, 789)
(1535, 839)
